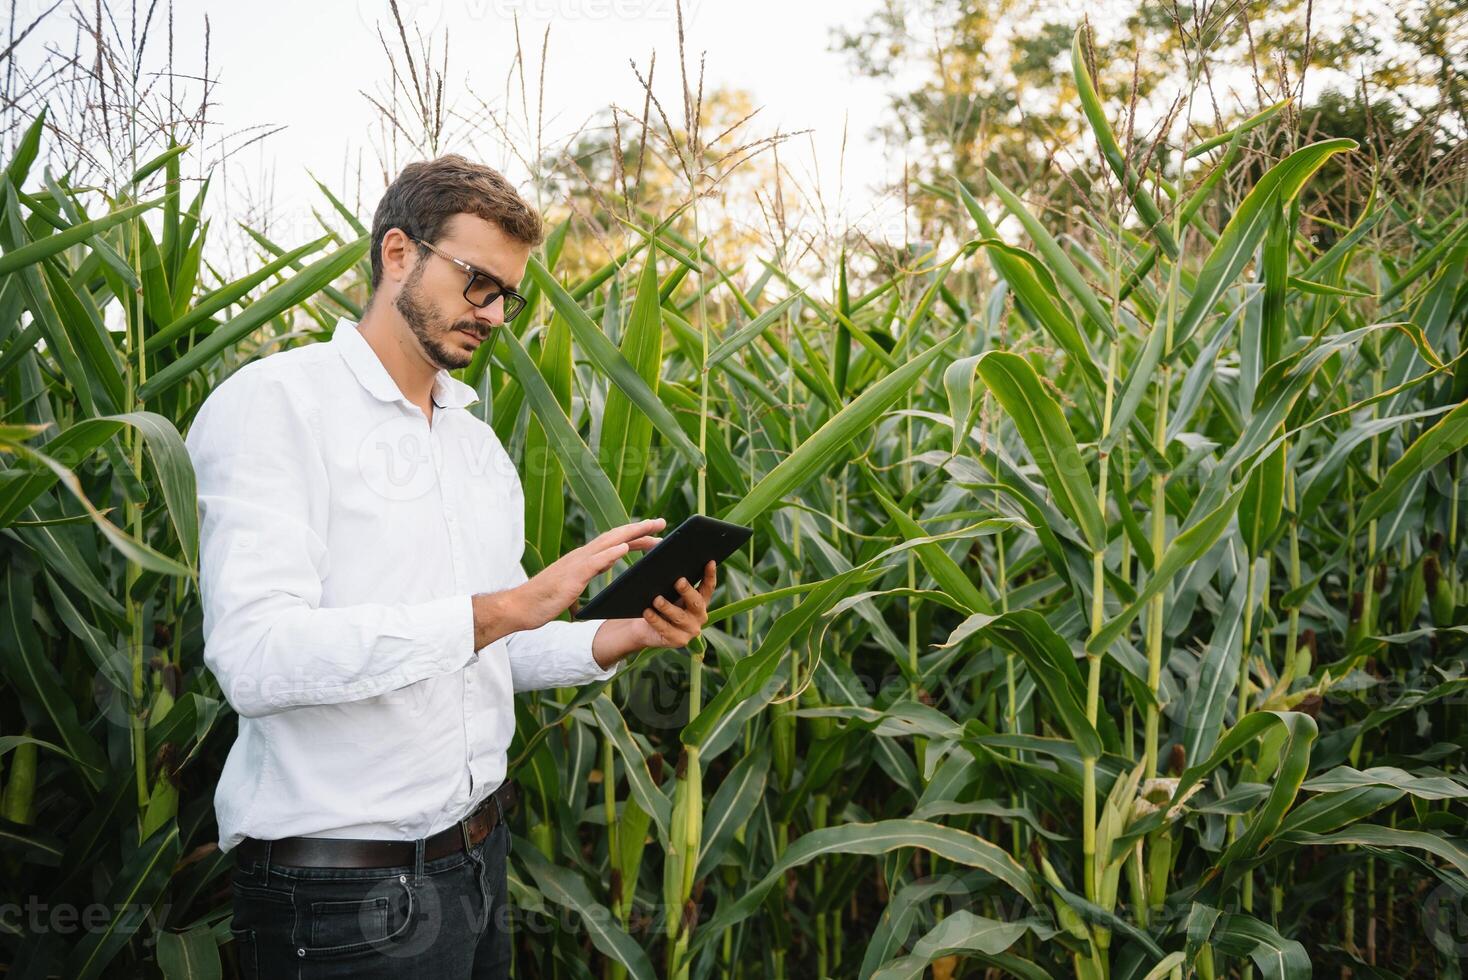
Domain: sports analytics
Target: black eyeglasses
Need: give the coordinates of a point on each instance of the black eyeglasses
(482, 288)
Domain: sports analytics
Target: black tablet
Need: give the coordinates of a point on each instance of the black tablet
(683, 553)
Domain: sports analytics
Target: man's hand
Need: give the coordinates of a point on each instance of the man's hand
(547, 595)
(664, 624)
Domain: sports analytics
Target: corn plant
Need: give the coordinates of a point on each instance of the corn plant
(111, 726)
(1105, 613)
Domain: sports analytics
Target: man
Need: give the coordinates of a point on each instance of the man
(367, 616)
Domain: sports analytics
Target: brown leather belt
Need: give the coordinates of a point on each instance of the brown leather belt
(342, 852)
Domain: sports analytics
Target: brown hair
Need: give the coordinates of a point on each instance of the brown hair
(428, 193)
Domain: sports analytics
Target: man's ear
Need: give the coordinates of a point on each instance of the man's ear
(398, 255)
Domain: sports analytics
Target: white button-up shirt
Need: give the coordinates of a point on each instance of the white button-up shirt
(342, 537)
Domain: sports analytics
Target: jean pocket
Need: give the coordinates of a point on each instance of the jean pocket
(246, 953)
(347, 925)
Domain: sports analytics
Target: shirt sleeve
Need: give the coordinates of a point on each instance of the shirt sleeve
(263, 505)
(557, 654)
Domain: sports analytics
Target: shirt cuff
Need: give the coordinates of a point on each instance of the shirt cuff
(581, 635)
(460, 612)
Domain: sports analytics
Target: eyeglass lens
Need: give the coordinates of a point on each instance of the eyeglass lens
(482, 291)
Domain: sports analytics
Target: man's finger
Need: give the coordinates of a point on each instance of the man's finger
(662, 627)
(602, 560)
(681, 618)
(629, 532)
(692, 599)
(707, 586)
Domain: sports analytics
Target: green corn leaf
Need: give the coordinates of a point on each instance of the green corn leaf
(1449, 435)
(565, 888)
(34, 677)
(958, 381)
(1027, 278)
(1217, 676)
(156, 164)
(634, 764)
(1294, 763)
(131, 548)
(1422, 787)
(881, 837)
(226, 295)
(545, 478)
(1228, 136)
(820, 450)
(341, 209)
(1181, 552)
(971, 936)
(32, 252)
(82, 322)
(1053, 666)
(27, 148)
(1370, 835)
(1106, 139)
(1047, 435)
(1055, 258)
(611, 363)
(280, 299)
(1331, 810)
(751, 330)
(732, 806)
(140, 882)
(189, 955)
(1246, 228)
(626, 433)
(1276, 957)
(944, 570)
(1320, 481)
(587, 480)
(1262, 504)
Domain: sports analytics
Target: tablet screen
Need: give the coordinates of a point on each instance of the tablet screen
(683, 553)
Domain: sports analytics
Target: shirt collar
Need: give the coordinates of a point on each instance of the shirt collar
(448, 391)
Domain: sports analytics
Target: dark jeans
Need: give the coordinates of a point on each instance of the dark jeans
(446, 918)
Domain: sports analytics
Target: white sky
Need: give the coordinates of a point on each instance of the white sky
(304, 64)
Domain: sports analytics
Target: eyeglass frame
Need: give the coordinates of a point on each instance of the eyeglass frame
(499, 288)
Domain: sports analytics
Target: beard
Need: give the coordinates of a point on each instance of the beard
(431, 329)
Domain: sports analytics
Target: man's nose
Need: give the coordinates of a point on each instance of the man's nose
(492, 314)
